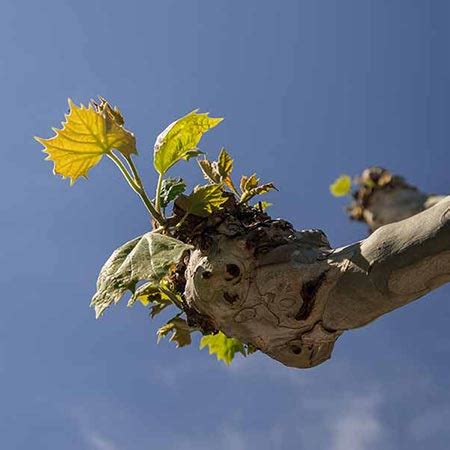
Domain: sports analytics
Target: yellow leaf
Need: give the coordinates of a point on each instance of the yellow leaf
(341, 186)
(87, 135)
(224, 164)
(180, 139)
(250, 187)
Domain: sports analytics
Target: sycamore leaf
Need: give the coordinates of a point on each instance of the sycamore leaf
(222, 346)
(146, 258)
(181, 332)
(87, 135)
(341, 186)
(204, 200)
(250, 187)
(219, 171)
(224, 164)
(170, 189)
(248, 183)
(209, 171)
(180, 139)
(225, 167)
(158, 295)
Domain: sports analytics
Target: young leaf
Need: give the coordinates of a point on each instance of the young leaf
(341, 186)
(180, 139)
(224, 164)
(222, 346)
(87, 135)
(203, 201)
(209, 171)
(250, 187)
(181, 332)
(219, 171)
(155, 295)
(149, 258)
(170, 189)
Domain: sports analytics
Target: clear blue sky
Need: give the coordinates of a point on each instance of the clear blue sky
(308, 90)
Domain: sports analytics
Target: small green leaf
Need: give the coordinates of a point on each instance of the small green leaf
(263, 205)
(158, 296)
(341, 186)
(180, 139)
(222, 346)
(171, 188)
(204, 200)
(147, 258)
(224, 164)
(219, 171)
(181, 332)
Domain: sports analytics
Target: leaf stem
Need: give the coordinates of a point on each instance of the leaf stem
(173, 298)
(136, 184)
(158, 194)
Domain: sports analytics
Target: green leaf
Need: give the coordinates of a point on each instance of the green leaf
(86, 136)
(219, 171)
(181, 332)
(204, 200)
(222, 346)
(146, 258)
(171, 188)
(224, 164)
(263, 205)
(180, 139)
(341, 186)
(158, 296)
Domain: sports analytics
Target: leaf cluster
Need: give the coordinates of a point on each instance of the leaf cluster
(91, 132)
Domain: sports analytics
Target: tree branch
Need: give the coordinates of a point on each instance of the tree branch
(290, 295)
(382, 198)
(397, 264)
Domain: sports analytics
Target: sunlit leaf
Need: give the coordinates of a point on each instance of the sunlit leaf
(222, 346)
(180, 139)
(250, 187)
(181, 332)
(204, 200)
(341, 186)
(225, 167)
(171, 188)
(219, 171)
(146, 258)
(87, 135)
(209, 171)
(248, 183)
(224, 164)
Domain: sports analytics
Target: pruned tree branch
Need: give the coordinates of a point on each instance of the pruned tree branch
(289, 294)
(382, 198)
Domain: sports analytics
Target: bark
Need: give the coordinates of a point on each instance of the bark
(289, 294)
(382, 198)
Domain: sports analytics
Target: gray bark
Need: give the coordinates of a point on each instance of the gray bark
(382, 198)
(289, 294)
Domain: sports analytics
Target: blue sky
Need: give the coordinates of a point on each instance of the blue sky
(308, 90)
